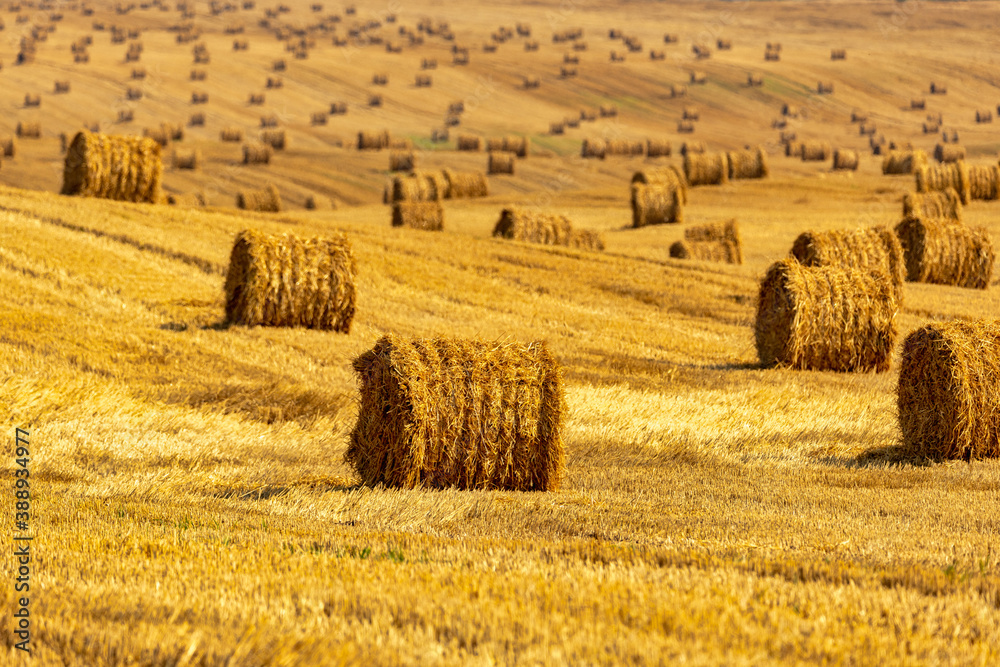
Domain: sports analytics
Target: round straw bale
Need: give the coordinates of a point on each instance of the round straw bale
(949, 175)
(319, 203)
(714, 242)
(903, 162)
(159, 135)
(501, 162)
(462, 185)
(113, 167)
(689, 147)
(947, 400)
(815, 151)
(939, 204)
(793, 149)
(286, 281)
(494, 144)
(825, 318)
(984, 182)
(946, 252)
(373, 140)
(691, 113)
(190, 159)
(8, 146)
(532, 226)
(517, 145)
(706, 169)
(420, 186)
(870, 250)
(276, 139)
(593, 148)
(426, 215)
(468, 142)
(266, 200)
(982, 115)
(28, 130)
(231, 134)
(670, 176)
(402, 161)
(187, 199)
(845, 159)
(656, 204)
(949, 152)
(256, 154)
(751, 163)
(470, 414)
(625, 147)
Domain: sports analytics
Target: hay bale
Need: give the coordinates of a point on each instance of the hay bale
(420, 186)
(903, 162)
(714, 242)
(61, 87)
(754, 80)
(826, 318)
(427, 215)
(858, 116)
(689, 147)
(625, 147)
(790, 110)
(671, 176)
(464, 185)
(196, 120)
(815, 151)
(501, 162)
(533, 226)
(265, 200)
(872, 250)
(256, 99)
(375, 141)
(190, 159)
(657, 204)
(32, 100)
(685, 127)
(845, 159)
(468, 142)
(231, 134)
(751, 163)
(793, 149)
(593, 148)
(706, 168)
(691, 113)
(939, 88)
(187, 199)
(459, 413)
(159, 135)
(984, 182)
(400, 143)
(943, 176)
(918, 103)
(319, 203)
(941, 204)
(29, 130)
(982, 115)
(838, 54)
(946, 396)
(113, 167)
(402, 161)
(286, 281)
(256, 154)
(946, 252)
(824, 87)
(698, 77)
(949, 153)
(276, 139)
(517, 145)
(658, 148)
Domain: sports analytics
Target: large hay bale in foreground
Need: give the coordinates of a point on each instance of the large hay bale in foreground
(984, 182)
(714, 242)
(825, 318)
(903, 162)
(501, 162)
(941, 204)
(943, 176)
(463, 185)
(459, 413)
(749, 163)
(869, 250)
(946, 252)
(706, 169)
(266, 200)
(286, 281)
(949, 407)
(530, 226)
(845, 160)
(427, 215)
(656, 204)
(113, 167)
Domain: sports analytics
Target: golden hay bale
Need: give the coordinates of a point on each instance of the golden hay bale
(532, 226)
(754, 80)
(691, 113)
(197, 120)
(942, 176)
(501, 162)
(845, 159)
(319, 203)
(113, 167)
(949, 152)
(256, 154)
(494, 144)
(402, 161)
(689, 147)
(751, 163)
(593, 148)
(918, 103)
(427, 215)
(946, 396)
(400, 143)
(671, 176)
(463, 185)
(939, 88)
(266, 200)
(27, 130)
(61, 87)
(470, 414)
(870, 250)
(984, 182)
(373, 140)
(420, 186)
(8, 146)
(187, 199)
(190, 159)
(517, 145)
(468, 142)
(825, 318)
(714, 242)
(946, 252)
(276, 139)
(903, 162)
(815, 151)
(231, 134)
(940, 204)
(159, 135)
(838, 54)
(657, 204)
(982, 115)
(286, 281)
(625, 147)
(685, 127)
(706, 169)
(858, 116)
(793, 149)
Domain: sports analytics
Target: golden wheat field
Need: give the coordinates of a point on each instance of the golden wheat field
(190, 500)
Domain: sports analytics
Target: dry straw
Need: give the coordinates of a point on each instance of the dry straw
(946, 252)
(626, 147)
(189, 159)
(903, 162)
(113, 167)
(470, 414)
(256, 154)
(420, 186)
(276, 139)
(468, 142)
(593, 148)
(656, 204)
(373, 140)
(286, 281)
(658, 148)
(949, 406)
(464, 185)
(670, 176)
(940, 177)
(870, 250)
(845, 159)
(750, 163)
(706, 169)
(426, 215)
(984, 182)
(266, 200)
(532, 226)
(29, 130)
(501, 162)
(231, 134)
(402, 161)
(949, 152)
(941, 204)
(825, 318)
(815, 151)
(715, 242)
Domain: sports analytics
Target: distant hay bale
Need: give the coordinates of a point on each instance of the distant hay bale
(982, 115)
(275, 82)
(984, 182)
(8, 146)
(440, 413)
(658, 148)
(658, 203)
(946, 395)
(426, 215)
(465, 185)
(501, 162)
(374, 100)
(867, 129)
(754, 80)
(402, 161)
(678, 90)
(691, 113)
(940, 204)
(319, 203)
(942, 176)
(903, 162)
(61, 87)
(593, 148)
(400, 143)
(368, 140)
(338, 108)
(845, 159)
(198, 75)
(772, 54)
(751, 163)
(815, 151)
(113, 167)
(946, 252)
(517, 145)
(231, 134)
(706, 169)
(826, 318)
(256, 154)
(939, 88)
(188, 200)
(858, 116)
(714, 242)
(196, 120)
(793, 149)
(190, 159)
(698, 77)
(256, 99)
(531, 226)
(875, 249)
(918, 103)
(32, 100)
(786, 136)
(626, 147)
(160, 135)
(824, 87)
(420, 186)
(790, 110)
(287, 281)
(685, 127)
(423, 81)
(276, 139)
(468, 142)
(838, 54)
(199, 97)
(265, 200)
(29, 130)
(557, 128)
(689, 147)
(949, 152)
